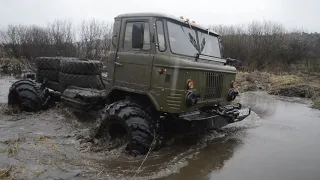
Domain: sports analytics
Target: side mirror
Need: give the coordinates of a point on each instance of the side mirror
(137, 35)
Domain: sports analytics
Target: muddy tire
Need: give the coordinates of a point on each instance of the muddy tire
(28, 96)
(133, 120)
(81, 67)
(48, 63)
(84, 81)
(51, 75)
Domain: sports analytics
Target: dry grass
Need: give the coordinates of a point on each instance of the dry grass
(54, 148)
(37, 173)
(284, 80)
(316, 99)
(253, 81)
(293, 85)
(12, 146)
(5, 172)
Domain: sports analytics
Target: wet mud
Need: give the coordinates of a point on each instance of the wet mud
(278, 141)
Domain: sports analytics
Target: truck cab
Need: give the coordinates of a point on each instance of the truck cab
(176, 63)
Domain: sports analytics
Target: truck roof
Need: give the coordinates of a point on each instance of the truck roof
(162, 15)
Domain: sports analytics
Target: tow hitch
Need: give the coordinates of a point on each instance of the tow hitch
(234, 113)
(218, 117)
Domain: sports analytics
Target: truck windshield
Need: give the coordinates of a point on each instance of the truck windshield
(209, 45)
(180, 40)
(183, 40)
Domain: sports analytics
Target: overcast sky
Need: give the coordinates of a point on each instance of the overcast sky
(292, 13)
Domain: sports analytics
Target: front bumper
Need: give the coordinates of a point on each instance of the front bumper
(217, 117)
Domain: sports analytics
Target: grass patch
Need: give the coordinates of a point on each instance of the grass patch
(291, 85)
(283, 80)
(54, 148)
(37, 173)
(12, 146)
(316, 99)
(316, 103)
(253, 81)
(5, 172)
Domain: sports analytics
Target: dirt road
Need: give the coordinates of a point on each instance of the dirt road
(280, 140)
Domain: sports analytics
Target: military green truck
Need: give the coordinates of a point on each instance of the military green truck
(165, 74)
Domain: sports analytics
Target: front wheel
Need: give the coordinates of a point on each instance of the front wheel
(124, 118)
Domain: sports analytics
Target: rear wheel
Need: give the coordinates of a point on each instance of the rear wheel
(28, 96)
(124, 118)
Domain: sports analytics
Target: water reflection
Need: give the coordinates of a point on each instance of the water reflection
(180, 160)
(210, 159)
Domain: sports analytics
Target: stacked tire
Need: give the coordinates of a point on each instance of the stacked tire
(48, 69)
(81, 73)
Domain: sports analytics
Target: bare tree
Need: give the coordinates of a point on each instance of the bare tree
(62, 37)
(265, 45)
(95, 38)
(11, 40)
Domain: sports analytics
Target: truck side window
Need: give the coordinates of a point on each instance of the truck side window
(160, 36)
(128, 36)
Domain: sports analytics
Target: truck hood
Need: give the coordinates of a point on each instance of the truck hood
(215, 64)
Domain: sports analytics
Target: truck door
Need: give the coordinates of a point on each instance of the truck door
(113, 52)
(133, 64)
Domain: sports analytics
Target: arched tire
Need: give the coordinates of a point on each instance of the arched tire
(84, 81)
(49, 63)
(28, 96)
(133, 119)
(81, 67)
(51, 75)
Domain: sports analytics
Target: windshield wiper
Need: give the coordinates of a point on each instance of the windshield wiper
(203, 43)
(193, 41)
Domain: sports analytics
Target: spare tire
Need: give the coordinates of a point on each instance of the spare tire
(51, 75)
(28, 96)
(85, 81)
(48, 63)
(82, 67)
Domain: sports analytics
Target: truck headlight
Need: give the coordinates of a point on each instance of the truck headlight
(190, 84)
(233, 84)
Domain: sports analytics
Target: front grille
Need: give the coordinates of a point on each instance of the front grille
(213, 86)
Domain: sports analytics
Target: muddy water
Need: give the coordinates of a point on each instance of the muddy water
(278, 141)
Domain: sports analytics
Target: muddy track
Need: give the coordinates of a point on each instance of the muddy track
(47, 145)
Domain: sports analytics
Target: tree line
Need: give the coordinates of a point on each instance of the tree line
(268, 45)
(258, 45)
(89, 39)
